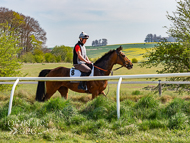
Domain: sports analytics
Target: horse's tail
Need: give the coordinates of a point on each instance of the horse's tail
(40, 93)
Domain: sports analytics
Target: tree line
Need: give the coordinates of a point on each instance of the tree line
(31, 35)
(31, 38)
(100, 42)
(23, 40)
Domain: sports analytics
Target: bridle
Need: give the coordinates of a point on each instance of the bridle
(125, 64)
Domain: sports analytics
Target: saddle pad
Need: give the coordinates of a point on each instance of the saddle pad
(76, 73)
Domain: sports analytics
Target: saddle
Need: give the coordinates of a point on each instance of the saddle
(76, 73)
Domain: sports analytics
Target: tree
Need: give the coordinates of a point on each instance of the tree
(174, 57)
(9, 63)
(104, 42)
(180, 19)
(25, 27)
(100, 42)
(39, 55)
(49, 58)
(63, 52)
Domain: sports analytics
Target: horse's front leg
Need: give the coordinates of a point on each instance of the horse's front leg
(94, 94)
(103, 93)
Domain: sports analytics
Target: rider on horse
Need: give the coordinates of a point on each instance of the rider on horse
(80, 59)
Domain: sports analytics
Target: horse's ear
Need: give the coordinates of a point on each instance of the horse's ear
(120, 48)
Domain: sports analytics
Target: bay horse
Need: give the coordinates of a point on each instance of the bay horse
(102, 67)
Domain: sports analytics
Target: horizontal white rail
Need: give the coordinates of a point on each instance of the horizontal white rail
(120, 77)
(96, 77)
(123, 82)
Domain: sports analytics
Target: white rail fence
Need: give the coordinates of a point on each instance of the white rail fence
(120, 77)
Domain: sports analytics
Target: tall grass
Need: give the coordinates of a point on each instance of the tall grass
(60, 120)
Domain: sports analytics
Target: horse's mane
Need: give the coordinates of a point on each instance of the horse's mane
(105, 57)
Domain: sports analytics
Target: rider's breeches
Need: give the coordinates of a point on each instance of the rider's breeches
(82, 67)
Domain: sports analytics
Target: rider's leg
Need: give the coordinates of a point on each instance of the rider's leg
(85, 71)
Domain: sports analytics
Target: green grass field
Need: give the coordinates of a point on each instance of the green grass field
(145, 117)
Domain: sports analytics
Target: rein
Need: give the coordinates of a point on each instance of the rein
(118, 55)
(117, 68)
(100, 68)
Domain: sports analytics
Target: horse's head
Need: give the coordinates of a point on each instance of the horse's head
(122, 59)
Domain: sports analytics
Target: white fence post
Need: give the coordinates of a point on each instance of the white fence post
(11, 96)
(118, 97)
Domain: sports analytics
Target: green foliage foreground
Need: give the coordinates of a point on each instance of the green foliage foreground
(59, 120)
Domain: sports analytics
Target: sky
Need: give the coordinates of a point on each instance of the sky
(119, 21)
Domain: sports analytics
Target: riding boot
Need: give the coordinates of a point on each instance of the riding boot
(82, 84)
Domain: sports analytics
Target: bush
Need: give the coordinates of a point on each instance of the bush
(28, 58)
(52, 105)
(49, 58)
(63, 52)
(178, 121)
(146, 102)
(58, 59)
(99, 108)
(127, 130)
(69, 57)
(134, 60)
(152, 124)
(136, 92)
(39, 58)
(174, 107)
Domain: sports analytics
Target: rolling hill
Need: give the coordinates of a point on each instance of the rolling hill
(132, 50)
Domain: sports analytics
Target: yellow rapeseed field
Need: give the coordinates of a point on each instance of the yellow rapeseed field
(136, 53)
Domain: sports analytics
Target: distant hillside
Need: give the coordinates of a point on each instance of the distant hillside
(132, 50)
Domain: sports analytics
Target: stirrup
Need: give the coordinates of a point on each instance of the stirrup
(81, 86)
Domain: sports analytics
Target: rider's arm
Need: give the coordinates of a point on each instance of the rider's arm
(87, 59)
(81, 57)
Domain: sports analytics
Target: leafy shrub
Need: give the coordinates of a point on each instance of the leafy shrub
(127, 130)
(69, 57)
(146, 102)
(49, 58)
(9, 122)
(52, 105)
(128, 103)
(91, 126)
(99, 108)
(174, 107)
(56, 104)
(77, 119)
(3, 112)
(28, 58)
(178, 121)
(39, 58)
(134, 60)
(58, 59)
(63, 52)
(136, 92)
(69, 112)
(152, 124)
(100, 113)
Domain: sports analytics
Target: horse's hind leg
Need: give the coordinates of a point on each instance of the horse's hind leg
(63, 91)
(50, 89)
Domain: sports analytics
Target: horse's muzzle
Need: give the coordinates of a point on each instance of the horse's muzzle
(129, 66)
